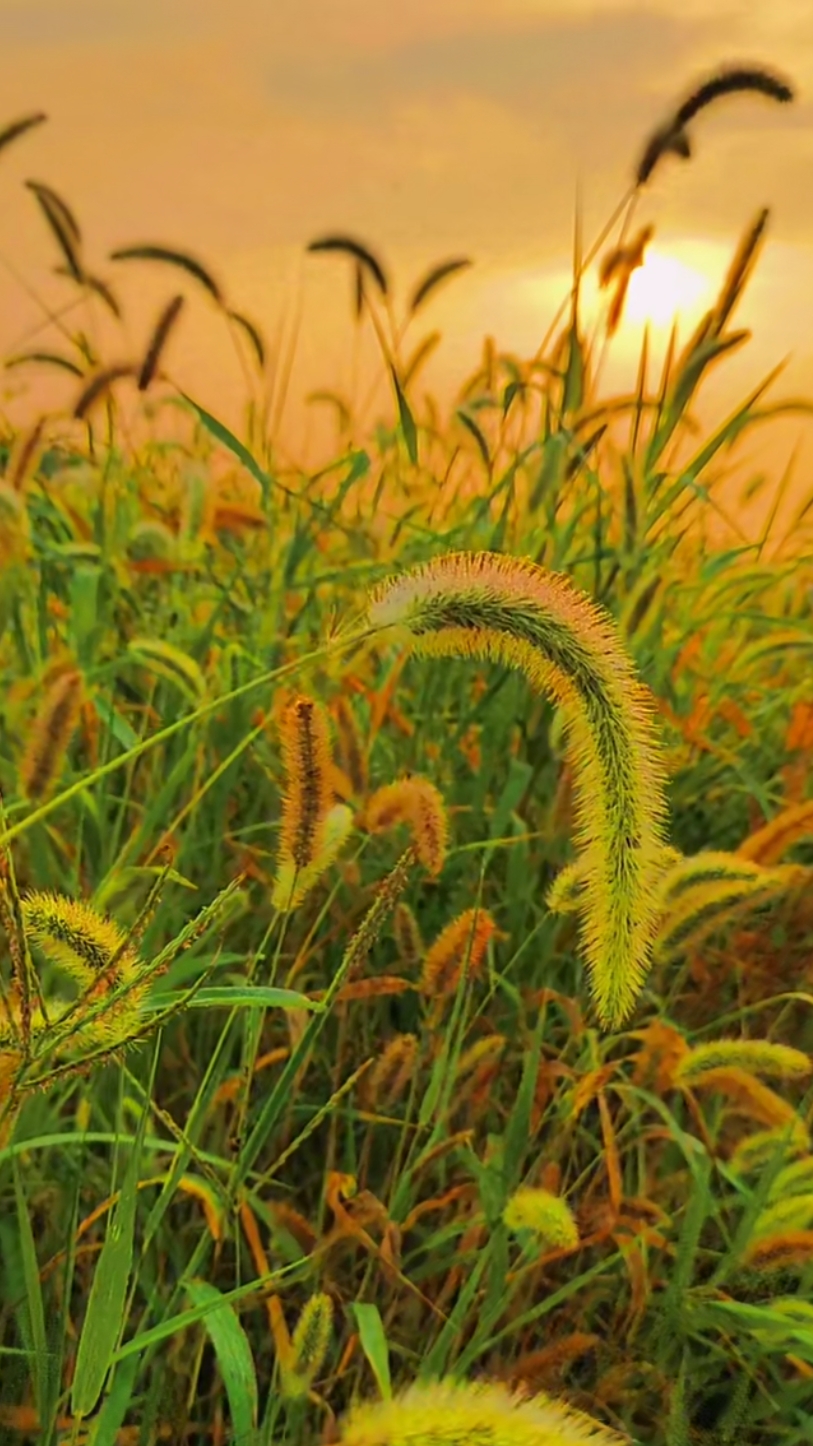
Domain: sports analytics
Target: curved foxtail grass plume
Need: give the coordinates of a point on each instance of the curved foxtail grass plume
(63, 224)
(749, 1096)
(673, 136)
(180, 259)
(46, 359)
(99, 386)
(709, 866)
(698, 909)
(19, 127)
(782, 1251)
(770, 842)
(758, 1056)
(50, 736)
(97, 285)
(93, 951)
(451, 1412)
(416, 802)
(158, 341)
(76, 937)
(406, 932)
(435, 278)
(352, 748)
(754, 1151)
(366, 261)
(485, 605)
(253, 334)
(462, 944)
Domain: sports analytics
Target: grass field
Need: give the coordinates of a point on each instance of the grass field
(405, 899)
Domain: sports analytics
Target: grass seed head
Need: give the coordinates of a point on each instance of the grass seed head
(548, 1216)
(464, 938)
(53, 729)
(450, 1412)
(416, 802)
(486, 605)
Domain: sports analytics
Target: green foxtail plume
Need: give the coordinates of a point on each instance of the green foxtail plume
(696, 910)
(758, 1056)
(516, 613)
(449, 1413)
(547, 1216)
(309, 1346)
(710, 866)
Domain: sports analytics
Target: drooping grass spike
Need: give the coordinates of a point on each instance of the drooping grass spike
(490, 606)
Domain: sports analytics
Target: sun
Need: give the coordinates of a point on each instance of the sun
(666, 288)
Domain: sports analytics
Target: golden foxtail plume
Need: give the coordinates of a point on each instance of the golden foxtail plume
(485, 605)
(449, 1412)
(416, 802)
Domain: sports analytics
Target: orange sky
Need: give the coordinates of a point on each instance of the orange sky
(433, 128)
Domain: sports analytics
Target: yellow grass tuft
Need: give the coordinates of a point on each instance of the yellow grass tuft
(485, 605)
(548, 1216)
(73, 935)
(449, 1413)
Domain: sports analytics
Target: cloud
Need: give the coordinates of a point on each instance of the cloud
(45, 24)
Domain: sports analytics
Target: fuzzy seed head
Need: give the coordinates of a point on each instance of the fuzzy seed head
(78, 939)
(292, 884)
(451, 1413)
(407, 934)
(392, 1072)
(466, 937)
(758, 1056)
(416, 802)
(307, 762)
(756, 1149)
(786, 1249)
(52, 731)
(548, 1216)
(309, 1346)
(485, 605)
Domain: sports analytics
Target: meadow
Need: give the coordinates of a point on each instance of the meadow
(405, 1022)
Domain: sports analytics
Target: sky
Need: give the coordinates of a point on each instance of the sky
(431, 129)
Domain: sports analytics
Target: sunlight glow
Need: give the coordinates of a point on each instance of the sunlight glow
(666, 287)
